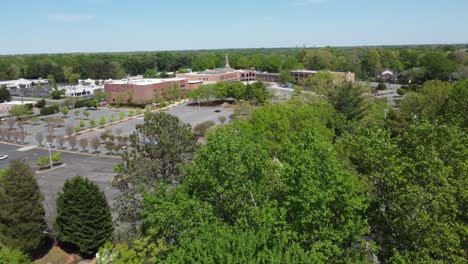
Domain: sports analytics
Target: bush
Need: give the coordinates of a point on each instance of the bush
(129, 105)
(102, 121)
(41, 103)
(56, 157)
(92, 123)
(50, 110)
(43, 161)
(381, 86)
(86, 103)
(402, 91)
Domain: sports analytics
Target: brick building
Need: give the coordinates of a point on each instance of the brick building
(226, 74)
(142, 90)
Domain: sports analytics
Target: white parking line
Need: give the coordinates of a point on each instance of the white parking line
(26, 148)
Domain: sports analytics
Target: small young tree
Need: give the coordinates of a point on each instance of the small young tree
(50, 139)
(131, 113)
(109, 145)
(95, 143)
(77, 113)
(69, 130)
(105, 135)
(60, 140)
(58, 122)
(84, 143)
(64, 110)
(34, 120)
(86, 113)
(9, 134)
(82, 124)
(92, 123)
(51, 130)
(121, 115)
(49, 121)
(11, 121)
(16, 135)
(111, 118)
(83, 215)
(21, 211)
(39, 138)
(102, 121)
(56, 157)
(23, 137)
(72, 142)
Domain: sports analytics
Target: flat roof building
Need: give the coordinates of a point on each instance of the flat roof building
(141, 91)
(226, 74)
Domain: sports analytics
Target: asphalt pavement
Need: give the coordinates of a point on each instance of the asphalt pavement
(99, 169)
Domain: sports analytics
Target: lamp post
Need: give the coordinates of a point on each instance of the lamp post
(50, 155)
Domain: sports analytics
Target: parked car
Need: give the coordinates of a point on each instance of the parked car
(2, 157)
(217, 111)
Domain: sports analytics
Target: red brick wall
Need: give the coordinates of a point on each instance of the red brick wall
(139, 93)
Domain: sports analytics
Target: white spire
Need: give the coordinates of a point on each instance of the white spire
(226, 65)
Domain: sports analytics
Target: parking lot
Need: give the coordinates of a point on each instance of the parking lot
(97, 169)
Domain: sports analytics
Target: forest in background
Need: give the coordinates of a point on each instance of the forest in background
(421, 62)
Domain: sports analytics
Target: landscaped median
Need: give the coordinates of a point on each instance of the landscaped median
(44, 162)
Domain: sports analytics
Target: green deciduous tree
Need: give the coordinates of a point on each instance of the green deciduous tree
(417, 188)
(20, 110)
(64, 110)
(83, 215)
(437, 66)
(10, 256)
(21, 214)
(4, 95)
(158, 148)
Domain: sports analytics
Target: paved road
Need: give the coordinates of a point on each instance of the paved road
(98, 169)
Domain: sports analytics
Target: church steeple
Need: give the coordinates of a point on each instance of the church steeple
(226, 64)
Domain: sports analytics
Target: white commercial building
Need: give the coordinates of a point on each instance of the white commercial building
(16, 84)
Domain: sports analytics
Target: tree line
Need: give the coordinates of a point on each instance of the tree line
(422, 62)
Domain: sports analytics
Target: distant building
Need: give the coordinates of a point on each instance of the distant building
(142, 90)
(83, 88)
(226, 74)
(6, 106)
(23, 83)
(303, 74)
(267, 77)
(387, 75)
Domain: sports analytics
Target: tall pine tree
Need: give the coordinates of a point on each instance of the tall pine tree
(21, 212)
(83, 216)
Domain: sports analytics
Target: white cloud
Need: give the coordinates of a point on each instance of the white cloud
(307, 2)
(70, 17)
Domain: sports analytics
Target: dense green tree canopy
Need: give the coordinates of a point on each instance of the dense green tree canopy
(83, 215)
(22, 214)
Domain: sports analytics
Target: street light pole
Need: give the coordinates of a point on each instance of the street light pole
(50, 155)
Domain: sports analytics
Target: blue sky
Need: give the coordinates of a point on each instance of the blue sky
(55, 26)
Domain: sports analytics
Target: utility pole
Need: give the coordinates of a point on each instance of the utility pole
(50, 155)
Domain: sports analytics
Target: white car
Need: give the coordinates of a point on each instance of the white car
(2, 157)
